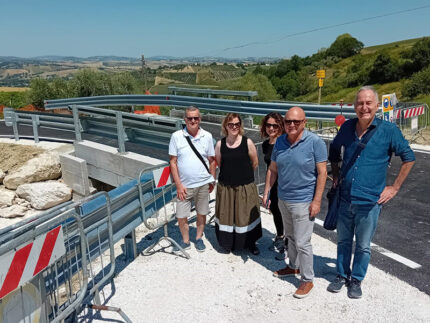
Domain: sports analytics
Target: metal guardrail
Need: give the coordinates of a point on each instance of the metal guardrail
(90, 227)
(313, 112)
(123, 126)
(209, 92)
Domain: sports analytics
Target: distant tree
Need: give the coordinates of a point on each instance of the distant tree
(40, 91)
(288, 87)
(85, 83)
(256, 82)
(123, 83)
(384, 70)
(418, 57)
(418, 84)
(345, 46)
(285, 66)
(258, 70)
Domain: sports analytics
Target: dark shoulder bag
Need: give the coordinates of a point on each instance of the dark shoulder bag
(333, 195)
(197, 153)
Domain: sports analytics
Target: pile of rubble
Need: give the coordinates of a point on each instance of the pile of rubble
(33, 187)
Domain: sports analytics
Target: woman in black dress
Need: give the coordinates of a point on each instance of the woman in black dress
(271, 128)
(237, 210)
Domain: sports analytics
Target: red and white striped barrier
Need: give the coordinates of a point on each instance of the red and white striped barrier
(162, 176)
(19, 266)
(412, 112)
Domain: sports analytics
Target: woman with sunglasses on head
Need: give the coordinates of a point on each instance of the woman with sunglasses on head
(271, 128)
(237, 210)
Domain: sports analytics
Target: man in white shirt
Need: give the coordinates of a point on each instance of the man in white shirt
(193, 179)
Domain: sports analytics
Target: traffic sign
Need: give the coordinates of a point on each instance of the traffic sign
(320, 82)
(321, 74)
(339, 120)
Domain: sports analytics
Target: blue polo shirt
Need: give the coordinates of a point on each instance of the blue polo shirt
(297, 172)
(366, 179)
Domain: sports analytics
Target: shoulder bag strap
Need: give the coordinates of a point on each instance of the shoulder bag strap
(361, 145)
(197, 153)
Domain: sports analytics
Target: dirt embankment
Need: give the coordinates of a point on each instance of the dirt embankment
(14, 156)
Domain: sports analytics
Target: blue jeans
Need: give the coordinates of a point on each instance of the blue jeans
(361, 220)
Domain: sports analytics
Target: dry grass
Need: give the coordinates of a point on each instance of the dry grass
(13, 89)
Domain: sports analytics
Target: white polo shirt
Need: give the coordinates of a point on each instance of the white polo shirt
(191, 170)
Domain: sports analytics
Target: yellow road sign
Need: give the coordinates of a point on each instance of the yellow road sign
(321, 74)
(320, 82)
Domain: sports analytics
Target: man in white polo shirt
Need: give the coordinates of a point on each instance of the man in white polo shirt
(193, 179)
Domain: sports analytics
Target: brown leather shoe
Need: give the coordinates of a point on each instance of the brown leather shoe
(303, 290)
(285, 272)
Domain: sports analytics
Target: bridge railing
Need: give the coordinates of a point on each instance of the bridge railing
(123, 126)
(79, 265)
(313, 112)
(209, 92)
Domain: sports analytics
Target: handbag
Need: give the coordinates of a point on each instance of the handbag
(333, 195)
(197, 153)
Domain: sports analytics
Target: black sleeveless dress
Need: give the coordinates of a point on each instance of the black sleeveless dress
(237, 210)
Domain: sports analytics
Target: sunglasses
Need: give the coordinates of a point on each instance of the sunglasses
(272, 125)
(193, 118)
(232, 125)
(296, 122)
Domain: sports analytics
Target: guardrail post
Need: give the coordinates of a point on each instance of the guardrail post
(35, 123)
(130, 249)
(15, 126)
(75, 111)
(120, 132)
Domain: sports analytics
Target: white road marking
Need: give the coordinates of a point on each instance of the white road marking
(387, 253)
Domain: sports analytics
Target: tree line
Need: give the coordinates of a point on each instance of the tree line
(287, 80)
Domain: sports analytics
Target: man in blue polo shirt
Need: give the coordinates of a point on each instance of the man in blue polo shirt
(363, 188)
(299, 161)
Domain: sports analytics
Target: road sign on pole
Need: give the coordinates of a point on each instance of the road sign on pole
(320, 74)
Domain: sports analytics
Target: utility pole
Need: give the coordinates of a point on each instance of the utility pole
(144, 72)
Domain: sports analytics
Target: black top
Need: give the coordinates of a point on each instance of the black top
(236, 168)
(267, 151)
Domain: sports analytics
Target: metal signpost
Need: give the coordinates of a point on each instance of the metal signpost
(320, 76)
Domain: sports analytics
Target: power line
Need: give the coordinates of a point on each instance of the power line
(323, 28)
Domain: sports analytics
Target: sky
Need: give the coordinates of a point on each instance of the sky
(225, 28)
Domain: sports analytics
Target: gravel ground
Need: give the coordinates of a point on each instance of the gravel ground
(239, 287)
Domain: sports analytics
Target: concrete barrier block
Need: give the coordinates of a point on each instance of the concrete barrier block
(75, 173)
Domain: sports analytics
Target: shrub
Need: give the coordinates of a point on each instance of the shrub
(418, 84)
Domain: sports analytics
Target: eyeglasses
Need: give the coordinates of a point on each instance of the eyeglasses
(193, 118)
(272, 125)
(232, 125)
(296, 122)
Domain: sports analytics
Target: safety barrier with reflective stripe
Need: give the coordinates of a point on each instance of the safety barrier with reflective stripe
(19, 266)
(89, 228)
(411, 112)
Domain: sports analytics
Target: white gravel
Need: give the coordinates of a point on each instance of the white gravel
(216, 287)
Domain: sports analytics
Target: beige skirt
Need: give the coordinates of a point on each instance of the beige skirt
(237, 216)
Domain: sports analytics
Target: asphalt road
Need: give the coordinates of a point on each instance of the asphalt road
(404, 224)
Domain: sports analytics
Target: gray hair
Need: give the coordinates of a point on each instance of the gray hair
(191, 109)
(367, 88)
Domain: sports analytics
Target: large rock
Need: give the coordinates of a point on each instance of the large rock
(13, 211)
(41, 168)
(2, 176)
(6, 197)
(44, 195)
